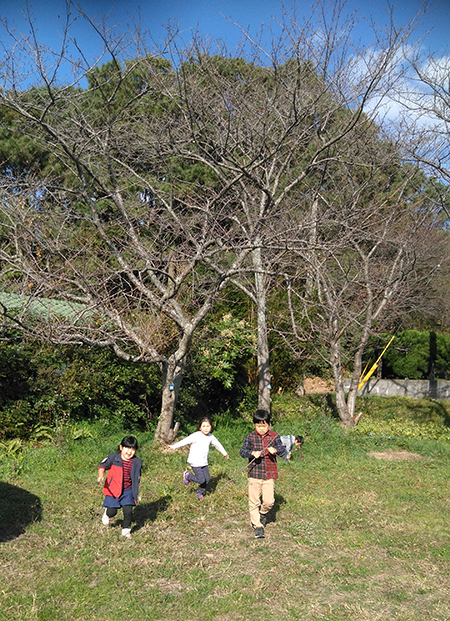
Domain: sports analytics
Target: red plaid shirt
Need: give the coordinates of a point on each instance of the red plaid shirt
(265, 467)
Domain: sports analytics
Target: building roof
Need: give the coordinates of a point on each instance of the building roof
(42, 307)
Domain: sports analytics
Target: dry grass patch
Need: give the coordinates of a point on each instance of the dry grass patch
(396, 455)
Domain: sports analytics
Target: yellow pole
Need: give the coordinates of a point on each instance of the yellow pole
(363, 379)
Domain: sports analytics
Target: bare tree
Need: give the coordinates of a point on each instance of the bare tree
(119, 225)
(270, 120)
(422, 103)
(166, 180)
(375, 234)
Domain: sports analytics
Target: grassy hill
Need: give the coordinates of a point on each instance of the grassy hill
(360, 529)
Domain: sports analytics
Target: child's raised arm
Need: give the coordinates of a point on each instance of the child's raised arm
(181, 443)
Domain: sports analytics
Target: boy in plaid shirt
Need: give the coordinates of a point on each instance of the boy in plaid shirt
(261, 448)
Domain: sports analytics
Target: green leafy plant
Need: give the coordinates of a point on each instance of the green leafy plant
(225, 344)
(11, 448)
(11, 454)
(40, 432)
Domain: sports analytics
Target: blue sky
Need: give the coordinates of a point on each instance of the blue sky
(211, 16)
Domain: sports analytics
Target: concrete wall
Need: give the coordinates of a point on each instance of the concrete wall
(420, 389)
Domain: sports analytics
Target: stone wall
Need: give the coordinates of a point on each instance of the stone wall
(420, 389)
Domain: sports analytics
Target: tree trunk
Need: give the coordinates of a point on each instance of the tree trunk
(172, 377)
(263, 344)
(346, 406)
(310, 276)
(341, 404)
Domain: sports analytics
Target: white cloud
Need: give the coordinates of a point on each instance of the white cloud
(412, 93)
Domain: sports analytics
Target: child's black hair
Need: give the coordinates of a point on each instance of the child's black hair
(262, 416)
(130, 442)
(207, 420)
(299, 439)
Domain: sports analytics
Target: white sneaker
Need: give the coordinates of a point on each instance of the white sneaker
(105, 519)
(126, 532)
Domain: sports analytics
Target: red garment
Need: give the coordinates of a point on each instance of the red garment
(263, 467)
(114, 480)
(127, 473)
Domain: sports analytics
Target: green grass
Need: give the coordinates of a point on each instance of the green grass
(354, 537)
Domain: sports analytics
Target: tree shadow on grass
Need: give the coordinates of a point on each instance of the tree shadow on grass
(424, 410)
(330, 400)
(149, 511)
(18, 509)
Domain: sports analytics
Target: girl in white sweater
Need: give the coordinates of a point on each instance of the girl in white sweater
(200, 442)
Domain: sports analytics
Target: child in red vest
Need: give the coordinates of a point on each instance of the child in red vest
(122, 483)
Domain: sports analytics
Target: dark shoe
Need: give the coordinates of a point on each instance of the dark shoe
(259, 532)
(200, 496)
(263, 518)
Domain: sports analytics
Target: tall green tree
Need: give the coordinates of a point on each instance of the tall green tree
(169, 180)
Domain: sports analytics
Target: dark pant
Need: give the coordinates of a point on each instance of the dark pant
(127, 511)
(200, 476)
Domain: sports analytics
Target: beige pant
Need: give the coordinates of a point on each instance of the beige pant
(256, 489)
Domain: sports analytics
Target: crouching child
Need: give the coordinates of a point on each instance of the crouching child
(292, 443)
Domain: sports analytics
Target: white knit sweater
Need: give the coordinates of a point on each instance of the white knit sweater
(198, 453)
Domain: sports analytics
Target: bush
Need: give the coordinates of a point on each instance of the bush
(413, 355)
(46, 384)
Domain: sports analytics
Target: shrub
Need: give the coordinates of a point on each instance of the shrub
(45, 384)
(412, 355)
